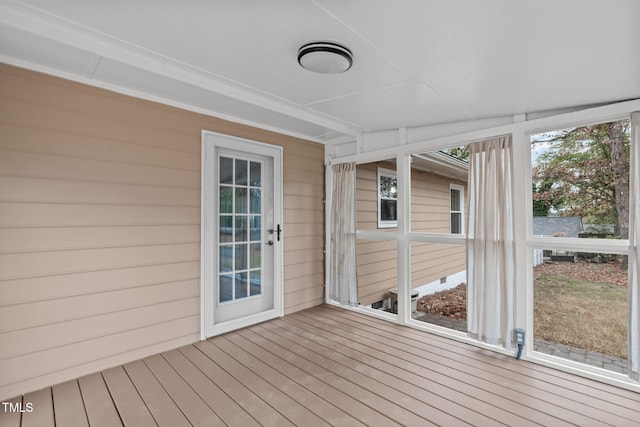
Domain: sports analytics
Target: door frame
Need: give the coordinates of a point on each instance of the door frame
(211, 141)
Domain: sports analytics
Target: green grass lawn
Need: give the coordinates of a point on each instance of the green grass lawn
(587, 314)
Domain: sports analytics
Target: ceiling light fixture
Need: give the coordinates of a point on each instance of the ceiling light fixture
(325, 57)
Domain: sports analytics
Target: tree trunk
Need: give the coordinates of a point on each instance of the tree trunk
(620, 169)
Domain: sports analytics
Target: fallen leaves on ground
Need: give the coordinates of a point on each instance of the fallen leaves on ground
(611, 272)
(451, 303)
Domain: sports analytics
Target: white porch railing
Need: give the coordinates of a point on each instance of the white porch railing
(537, 257)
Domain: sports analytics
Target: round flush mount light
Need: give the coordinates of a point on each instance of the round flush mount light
(325, 57)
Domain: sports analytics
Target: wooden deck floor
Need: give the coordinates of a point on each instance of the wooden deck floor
(327, 366)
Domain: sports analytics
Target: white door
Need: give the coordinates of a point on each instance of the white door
(241, 233)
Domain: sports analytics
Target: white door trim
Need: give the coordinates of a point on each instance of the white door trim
(210, 142)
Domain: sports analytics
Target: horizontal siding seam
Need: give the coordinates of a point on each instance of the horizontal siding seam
(76, 203)
(28, 227)
(102, 117)
(115, 332)
(103, 291)
(305, 276)
(136, 142)
(99, 159)
(89, 270)
(108, 356)
(96, 313)
(115, 183)
(101, 225)
(81, 248)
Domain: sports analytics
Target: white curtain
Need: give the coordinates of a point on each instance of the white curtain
(490, 242)
(343, 286)
(634, 255)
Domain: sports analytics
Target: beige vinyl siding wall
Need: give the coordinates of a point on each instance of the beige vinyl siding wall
(377, 260)
(100, 227)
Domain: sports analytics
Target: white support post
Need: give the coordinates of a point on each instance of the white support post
(403, 163)
(524, 258)
(328, 190)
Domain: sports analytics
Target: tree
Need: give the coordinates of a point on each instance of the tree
(584, 171)
(540, 207)
(461, 153)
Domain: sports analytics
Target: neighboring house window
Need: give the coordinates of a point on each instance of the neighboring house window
(387, 198)
(457, 208)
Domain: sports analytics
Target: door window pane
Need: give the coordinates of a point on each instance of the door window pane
(256, 174)
(256, 283)
(226, 288)
(226, 258)
(256, 230)
(256, 255)
(226, 229)
(226, 199)
(241, 172)
(256, 200)
(241, 200)
(226, 170)
(241, 285)
(241, 229)
(241, 257)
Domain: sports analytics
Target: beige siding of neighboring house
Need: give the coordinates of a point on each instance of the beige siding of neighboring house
(430, 213)
(377, 260)
(100, 227)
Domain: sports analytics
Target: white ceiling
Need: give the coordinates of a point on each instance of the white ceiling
(416, 63)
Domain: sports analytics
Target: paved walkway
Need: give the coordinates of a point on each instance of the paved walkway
(571, 353)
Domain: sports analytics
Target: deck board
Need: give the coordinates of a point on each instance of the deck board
(130, 406)
(561, 394)
(310, 396)
(459, 398)
(270, 393)
(193, 407)
(359, 387)
(224, 406)
(243, 396)
(10, 418)
(162, 407)
(68, 404)
(252, 343)
(505, 375)
(426, 362)
(42, 414)
(327, 366)
(422, 401)
(101, 411)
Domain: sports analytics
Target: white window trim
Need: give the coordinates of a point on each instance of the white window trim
(389, 174)
(460, 188)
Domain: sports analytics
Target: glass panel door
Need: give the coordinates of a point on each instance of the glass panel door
(242, 233)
